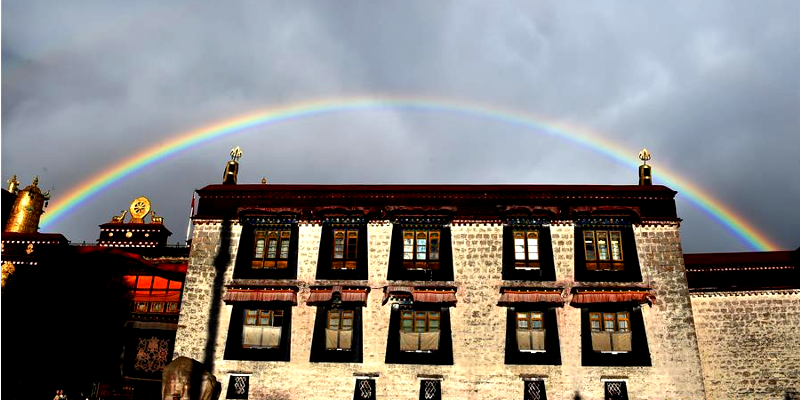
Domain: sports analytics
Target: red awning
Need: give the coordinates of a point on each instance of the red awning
(261, 295)
(434, 296)
(422, 294)
(590, 297)
(512, 297)
(324, 295)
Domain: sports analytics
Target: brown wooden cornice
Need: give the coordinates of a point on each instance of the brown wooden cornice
(480, 202)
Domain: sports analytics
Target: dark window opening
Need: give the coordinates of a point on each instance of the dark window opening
(343, 251)
(528, 253)
(259, 331)
(613, 334)
(532, 336)
(364, 390)
(238, 387)
(534, 390)
(421, 253)
(268, 252)
(337, 334)
(606, 253)
(419, 334)
(430, 389)
(616, 390)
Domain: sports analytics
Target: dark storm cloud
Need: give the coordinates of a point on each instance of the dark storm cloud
(711, 88)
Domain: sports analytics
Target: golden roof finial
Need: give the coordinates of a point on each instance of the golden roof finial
(645, 171)
(236, 153)
(13, 184)
(644, 155)
(27, 209)
(35, 181)
(264, 180)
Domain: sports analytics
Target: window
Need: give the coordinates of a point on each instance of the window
(532, 336)
(339, 329)
(534, 390)
(604, 248)
(259, 331)
(614, 335)
(421, 249)
(608, 252)
(419, 335)
(419, 330)
(262, 328)
(364, 390)
(154, 294)
(343, 250)
(611, 331)
(527, 251)
(268, 251)
(238, 387)
(420, 252)
(430, 389)
(530, 331)
(616, 390)
(271, 248)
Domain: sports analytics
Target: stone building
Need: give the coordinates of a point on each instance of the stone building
(441, 291)
(746, 310)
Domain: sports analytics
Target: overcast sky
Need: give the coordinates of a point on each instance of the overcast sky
(711, 88)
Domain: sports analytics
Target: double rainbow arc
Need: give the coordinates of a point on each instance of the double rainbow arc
(91, 187)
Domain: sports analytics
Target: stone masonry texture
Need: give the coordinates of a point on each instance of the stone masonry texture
(749, 344)
(478, 325)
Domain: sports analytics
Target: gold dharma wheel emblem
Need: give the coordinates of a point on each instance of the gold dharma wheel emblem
(140, 207)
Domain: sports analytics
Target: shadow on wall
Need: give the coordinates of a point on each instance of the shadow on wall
(221, 262)
(577, 396)
(792, 395)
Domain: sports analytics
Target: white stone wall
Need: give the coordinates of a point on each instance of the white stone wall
(478, 325)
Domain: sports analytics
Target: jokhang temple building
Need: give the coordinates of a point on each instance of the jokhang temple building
(445, 292)
(478, 292)
(54, 294)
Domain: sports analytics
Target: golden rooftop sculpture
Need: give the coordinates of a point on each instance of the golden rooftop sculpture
(645, 171)
(27, 209)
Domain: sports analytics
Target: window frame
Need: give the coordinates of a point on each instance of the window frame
(325, 258)
(542, 269)
(639, 355)
(593, 269)
(552, 351)
(440, 270)
(444, 353)
(319, 352)
(248, 249)
(234, 347)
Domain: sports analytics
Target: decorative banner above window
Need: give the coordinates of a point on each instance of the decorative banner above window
(513, 296)
(528, 221)
(592, 296)
(283, 219)
(603, 222)
(288, 294)
(348, 294)
(437, 294)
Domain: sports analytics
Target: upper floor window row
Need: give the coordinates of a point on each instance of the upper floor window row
(421, 249)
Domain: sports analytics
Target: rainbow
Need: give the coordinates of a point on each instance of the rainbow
(91, 187)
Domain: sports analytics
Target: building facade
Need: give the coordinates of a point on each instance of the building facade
(441, 291)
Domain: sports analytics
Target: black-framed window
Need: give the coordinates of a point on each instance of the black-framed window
(343, 251)
(534, 390)
(268, 251)
(430, 389)
(421, 252)
(616, 390)
(419, 334)
(606, 252)
(259, 331)
(364, 390)
(337, 334)
(527, 252)
(532, 336)
(613, 334)
(238, 387)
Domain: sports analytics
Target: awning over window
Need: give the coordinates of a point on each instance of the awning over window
(611, 296)
(422, 294)
(513, 296)
(266, 294)
(350, 294)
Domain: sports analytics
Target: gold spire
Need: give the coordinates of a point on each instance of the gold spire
(264, 180)
(645, 172)
(232, 168)
(27, 209)
(13, 184)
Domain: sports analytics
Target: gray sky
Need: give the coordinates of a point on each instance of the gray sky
(711, 88)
